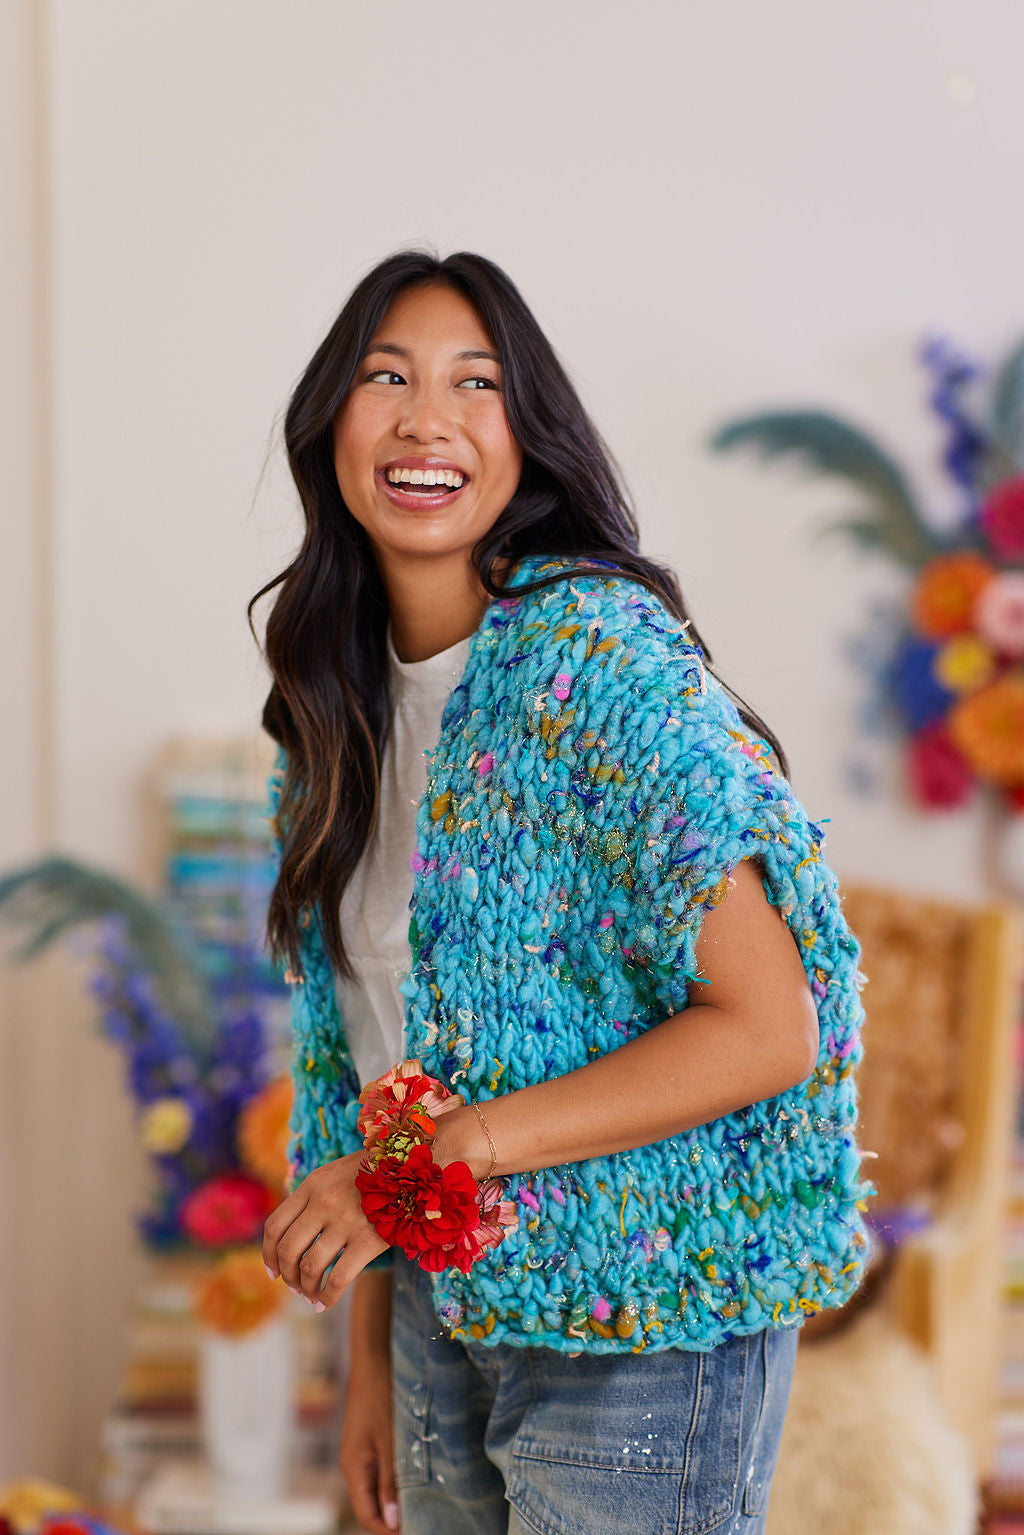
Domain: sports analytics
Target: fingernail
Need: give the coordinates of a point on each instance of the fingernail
(319, 1306)
(270, 1271)
(295, 1291)
(391, 1515)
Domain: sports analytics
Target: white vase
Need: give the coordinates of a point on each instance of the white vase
(246, 1388)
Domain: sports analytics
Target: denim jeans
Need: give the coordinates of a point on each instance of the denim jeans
(529, 1441)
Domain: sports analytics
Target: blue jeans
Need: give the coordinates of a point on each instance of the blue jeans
(529, 1441)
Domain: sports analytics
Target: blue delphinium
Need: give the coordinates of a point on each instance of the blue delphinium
(918, 693)
(213, 1081)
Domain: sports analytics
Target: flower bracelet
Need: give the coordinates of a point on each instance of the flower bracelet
(440, 1217)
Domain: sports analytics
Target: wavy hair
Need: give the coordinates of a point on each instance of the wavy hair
(329, 704)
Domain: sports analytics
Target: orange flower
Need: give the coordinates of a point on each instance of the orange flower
(236, 1295)
(263, 1133)
(946, 592)
(988, 727)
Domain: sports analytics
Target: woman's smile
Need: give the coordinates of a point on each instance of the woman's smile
(418, 484)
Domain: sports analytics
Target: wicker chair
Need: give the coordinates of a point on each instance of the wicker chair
(938, 1097)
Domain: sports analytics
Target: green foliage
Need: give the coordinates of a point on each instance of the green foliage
(888, 520)
(48, 899)
(1007, 409)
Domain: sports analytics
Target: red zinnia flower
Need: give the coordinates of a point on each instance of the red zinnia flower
(940, 774)
(430, 1212)
(228, 1209)
(1002, 517)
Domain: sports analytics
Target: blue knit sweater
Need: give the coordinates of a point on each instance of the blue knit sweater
(591, 791)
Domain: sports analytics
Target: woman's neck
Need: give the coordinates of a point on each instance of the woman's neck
(433, 606)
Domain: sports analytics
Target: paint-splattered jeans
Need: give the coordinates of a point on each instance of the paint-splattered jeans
(529, 1441)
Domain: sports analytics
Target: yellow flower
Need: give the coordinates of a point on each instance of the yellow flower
(964, 664)
(236, 1295)
(263, 1133)
(165, 1126)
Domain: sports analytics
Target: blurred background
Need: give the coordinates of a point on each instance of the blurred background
(711, 210)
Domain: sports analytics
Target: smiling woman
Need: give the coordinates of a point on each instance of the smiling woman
(425, 458)
(618, 1163)
(331, 702)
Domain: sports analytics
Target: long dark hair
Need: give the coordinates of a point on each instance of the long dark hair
(329, 703)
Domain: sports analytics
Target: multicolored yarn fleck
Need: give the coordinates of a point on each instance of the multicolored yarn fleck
(590, 793)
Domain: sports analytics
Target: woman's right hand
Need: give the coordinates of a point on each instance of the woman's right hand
(366, 1453)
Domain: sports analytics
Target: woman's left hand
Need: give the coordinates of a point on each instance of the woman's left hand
(320, 1224)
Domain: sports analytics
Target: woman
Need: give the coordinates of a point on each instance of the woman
(626, 957)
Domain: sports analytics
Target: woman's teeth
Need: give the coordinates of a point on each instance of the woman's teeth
(448, 477)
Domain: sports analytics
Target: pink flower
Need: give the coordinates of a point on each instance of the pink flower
(999, 614)
(940, 775)
(225, 1210)
(497, 1216)
(1002, 517)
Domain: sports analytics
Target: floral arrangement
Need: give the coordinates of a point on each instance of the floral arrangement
(203, 1110)
(955, 675)
(210, 1116)
(440, 1217)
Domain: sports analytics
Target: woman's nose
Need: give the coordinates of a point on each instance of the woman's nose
(427, 414)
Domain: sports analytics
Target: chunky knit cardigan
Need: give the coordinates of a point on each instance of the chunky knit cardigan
(591, 791)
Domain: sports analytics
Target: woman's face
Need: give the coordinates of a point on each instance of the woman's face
(423, 452)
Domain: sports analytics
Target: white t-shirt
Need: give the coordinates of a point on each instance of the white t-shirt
(375, 906)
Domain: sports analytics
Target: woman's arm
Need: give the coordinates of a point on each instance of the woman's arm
(753, 1034)
(366, 1455)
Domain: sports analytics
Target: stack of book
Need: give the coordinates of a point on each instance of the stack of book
(219, 864)
(218, 872)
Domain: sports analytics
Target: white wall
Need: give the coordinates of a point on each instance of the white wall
(711, 209)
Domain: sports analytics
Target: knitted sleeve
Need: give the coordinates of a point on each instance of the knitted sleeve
(325, 1104)
(711, 798)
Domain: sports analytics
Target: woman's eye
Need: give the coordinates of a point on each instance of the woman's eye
(384, 376)
(478, 383)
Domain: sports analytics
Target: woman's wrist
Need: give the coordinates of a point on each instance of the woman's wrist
(460, 1137)
(370, 1320)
